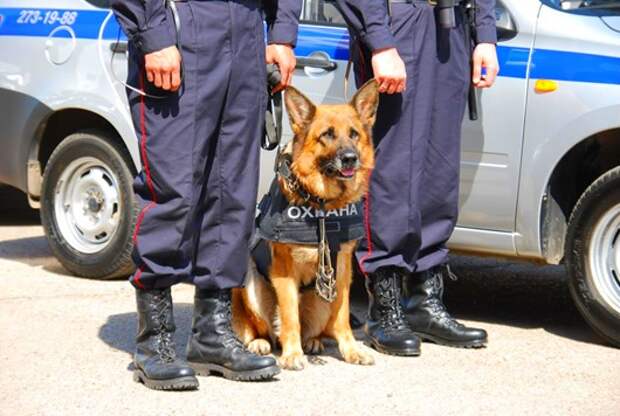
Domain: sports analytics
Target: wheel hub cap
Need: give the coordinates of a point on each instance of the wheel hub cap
(87, 204)
(604, 257)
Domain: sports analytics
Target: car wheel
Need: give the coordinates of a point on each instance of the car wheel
(593, 255)
(87, 206)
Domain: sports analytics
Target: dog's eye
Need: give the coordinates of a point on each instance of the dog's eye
(353, 134)
(329, 134)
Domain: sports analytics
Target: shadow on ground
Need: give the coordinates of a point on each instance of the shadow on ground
(524, 295)
(488, 291)
(33, 251)
(15, 211)
(119, 332)
(14, 208)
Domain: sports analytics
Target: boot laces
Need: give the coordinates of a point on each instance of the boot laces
(230, 339)
(165, 343)
(436, 304)
(392, 318)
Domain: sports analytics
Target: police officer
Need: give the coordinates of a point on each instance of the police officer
(199, 118)
(424, 71)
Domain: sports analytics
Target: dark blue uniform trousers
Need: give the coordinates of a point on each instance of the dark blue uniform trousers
(412, 204)
(200, 151)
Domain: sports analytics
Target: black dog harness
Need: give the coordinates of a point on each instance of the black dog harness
(282, 222)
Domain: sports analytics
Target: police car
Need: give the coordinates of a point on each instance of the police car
(540, 169)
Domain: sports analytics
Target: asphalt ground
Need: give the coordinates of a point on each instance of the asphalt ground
(66, 345)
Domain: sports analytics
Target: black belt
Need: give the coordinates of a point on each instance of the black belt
(431, 2)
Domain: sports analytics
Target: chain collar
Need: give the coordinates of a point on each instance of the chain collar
(285, 172)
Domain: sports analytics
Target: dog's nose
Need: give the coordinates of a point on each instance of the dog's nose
(348, 158)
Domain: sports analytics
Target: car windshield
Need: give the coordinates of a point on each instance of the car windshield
(589, 4)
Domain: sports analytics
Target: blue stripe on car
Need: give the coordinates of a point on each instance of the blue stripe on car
(86, 25)
(547, 64)
(570, 66)
(332, 40)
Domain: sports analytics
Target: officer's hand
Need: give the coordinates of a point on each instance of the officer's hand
(163, 68)
(283, 56)
(389, 70)
(485, 56)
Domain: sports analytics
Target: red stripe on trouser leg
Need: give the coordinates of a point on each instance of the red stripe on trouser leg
(149, 180)
(139, 220)
(145, 160)
(136, 277)
(367, 228)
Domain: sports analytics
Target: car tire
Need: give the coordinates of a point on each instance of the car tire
(593, 255)
(88, 210)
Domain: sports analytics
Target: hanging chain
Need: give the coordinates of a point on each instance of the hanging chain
(325, 277)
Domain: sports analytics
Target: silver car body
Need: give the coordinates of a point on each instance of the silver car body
(55, 56)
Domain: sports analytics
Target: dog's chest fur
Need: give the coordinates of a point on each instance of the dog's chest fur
(305, 259)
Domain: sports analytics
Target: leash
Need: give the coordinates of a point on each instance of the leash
(273, 115)
(325, 281)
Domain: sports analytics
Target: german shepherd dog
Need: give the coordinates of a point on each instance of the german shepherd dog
(331, 156)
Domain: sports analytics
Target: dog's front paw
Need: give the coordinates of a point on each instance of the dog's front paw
(259, 346)
(354, 355)
(313, 346)
(295, 361)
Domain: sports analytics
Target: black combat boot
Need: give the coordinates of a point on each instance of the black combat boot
(155, 361)
(386, 327)
(213, 346)
(427, 315)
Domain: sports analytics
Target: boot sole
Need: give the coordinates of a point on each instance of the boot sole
(480, 343)
(407, 352)
(261, 374)
(179, 384)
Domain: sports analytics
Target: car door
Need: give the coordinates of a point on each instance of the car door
(573, 96)
(491, 146)
(322, 52)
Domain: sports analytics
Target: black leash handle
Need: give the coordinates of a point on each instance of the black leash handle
(273, 114)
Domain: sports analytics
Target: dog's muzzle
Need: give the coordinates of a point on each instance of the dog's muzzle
(344, 165)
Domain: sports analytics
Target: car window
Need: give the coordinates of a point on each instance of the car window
(325, 12)
(104, 4)
(586, 7)
(322, 12)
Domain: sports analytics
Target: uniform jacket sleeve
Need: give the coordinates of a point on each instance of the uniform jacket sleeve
(282, 20)
(485, 21)
(146, 23)
(369, 20)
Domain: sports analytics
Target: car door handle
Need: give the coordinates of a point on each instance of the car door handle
(316, 62)
(118, 47)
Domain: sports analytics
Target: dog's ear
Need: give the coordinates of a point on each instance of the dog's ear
(365, 101)
(300, 109)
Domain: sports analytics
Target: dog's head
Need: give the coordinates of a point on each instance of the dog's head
(332, 149)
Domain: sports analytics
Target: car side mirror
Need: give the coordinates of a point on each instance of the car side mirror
(505, 24)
